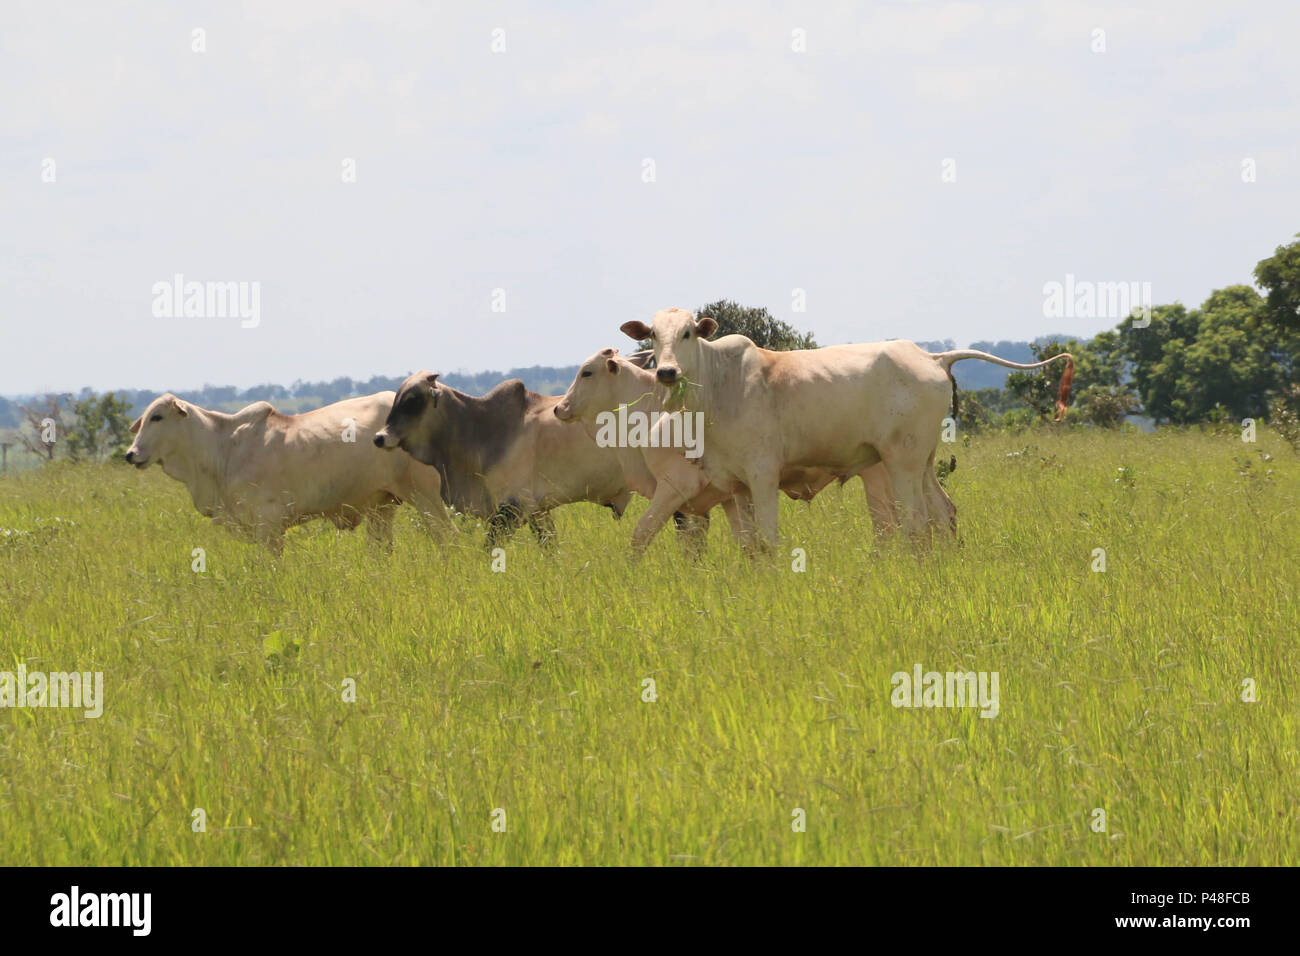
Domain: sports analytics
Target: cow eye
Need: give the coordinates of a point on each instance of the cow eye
(586, 375)
(155, 418)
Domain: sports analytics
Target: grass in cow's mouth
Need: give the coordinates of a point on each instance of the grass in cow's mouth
(677, 391)
(635, 401)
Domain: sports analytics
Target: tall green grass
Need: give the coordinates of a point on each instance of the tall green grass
(522, 690)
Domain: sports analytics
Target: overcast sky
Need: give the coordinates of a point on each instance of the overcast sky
(775, 169)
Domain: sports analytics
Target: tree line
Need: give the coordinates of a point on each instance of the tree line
(1234, 357)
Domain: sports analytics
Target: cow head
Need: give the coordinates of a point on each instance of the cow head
(675, 338)
(160, 432)
(413, 416)
(593, 390)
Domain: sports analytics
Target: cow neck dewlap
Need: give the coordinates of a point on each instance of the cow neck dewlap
(695, 396)
(203, 472)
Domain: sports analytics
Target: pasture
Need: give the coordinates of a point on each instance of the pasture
(523, 689)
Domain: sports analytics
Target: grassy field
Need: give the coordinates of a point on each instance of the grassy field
(522, 690)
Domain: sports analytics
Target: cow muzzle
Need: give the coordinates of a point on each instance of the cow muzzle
(383, 439)
(667, 374)
(133, 457)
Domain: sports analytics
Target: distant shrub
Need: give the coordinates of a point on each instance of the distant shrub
(1284, 415)
(1106, 405)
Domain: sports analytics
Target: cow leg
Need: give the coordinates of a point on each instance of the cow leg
(267, 528)
(880, 499)
(435, 520)
(765, 492)
(942, 512)
(692, 532)
(274, 542)
(428, 502)
(271, 536)
(907, 479)
(739, 512)
(619, 505)
(667, 500)
(379, 525)
(543, 525)
(503, 524)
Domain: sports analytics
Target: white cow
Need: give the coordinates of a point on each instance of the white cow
(259, 473)
(871, 409)
(607, 382)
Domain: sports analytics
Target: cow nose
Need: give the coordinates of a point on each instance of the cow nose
(667, 374)
(130, 457)
(379, 440)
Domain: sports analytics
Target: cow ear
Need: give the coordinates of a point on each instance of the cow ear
(431, 379)
(635, 330)
(706, 327)
(181, 408)
(612, 366)
(135, 425)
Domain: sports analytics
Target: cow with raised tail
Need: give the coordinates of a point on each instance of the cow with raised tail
(871, 409)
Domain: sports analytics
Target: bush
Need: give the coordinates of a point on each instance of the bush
(1106, 405)
(1284, 415)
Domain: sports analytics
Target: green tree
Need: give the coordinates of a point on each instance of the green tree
(1279, 277)
(1170, 328)
(758, 325)
(1226, 359)
(1103, 362)
(101, 428)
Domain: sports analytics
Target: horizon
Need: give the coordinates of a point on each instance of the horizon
(462, 373)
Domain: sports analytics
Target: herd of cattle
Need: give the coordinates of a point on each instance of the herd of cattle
(773, 421)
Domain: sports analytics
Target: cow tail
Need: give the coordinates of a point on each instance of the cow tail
(1067, 379)
(952, 379)
(947, 360)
